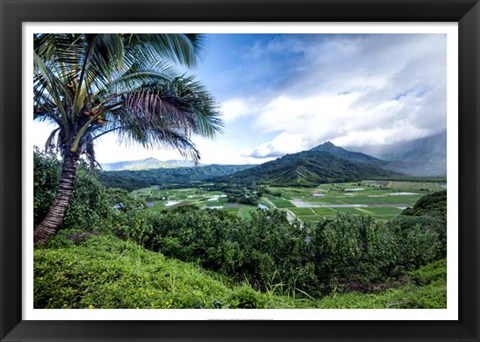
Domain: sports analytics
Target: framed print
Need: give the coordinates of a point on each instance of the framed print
(278, 170)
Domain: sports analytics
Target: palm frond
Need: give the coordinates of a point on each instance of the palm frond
(54, 87)
(49, 145)
(178, 48)
(93, 84)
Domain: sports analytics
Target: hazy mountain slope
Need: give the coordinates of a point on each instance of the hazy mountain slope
(420, 157)
(145, 164)
(308, 168)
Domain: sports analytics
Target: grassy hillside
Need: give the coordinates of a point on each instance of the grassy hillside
(106, 272)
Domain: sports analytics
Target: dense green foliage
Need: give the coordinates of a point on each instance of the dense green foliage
(343, 253)
(433, 204)
(46, 173)
(172, 177)
(308, 168)
(339, 254)
(106, 272)
(430, 210)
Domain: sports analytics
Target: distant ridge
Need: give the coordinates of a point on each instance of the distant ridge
(180, 176)
(146, 164)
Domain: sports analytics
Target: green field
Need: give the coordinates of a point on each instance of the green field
(381, 199)
(324, 211)
(303, 211)
(161, 199)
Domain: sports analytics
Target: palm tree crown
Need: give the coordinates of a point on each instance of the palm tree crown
(90, 85)
(94, 84)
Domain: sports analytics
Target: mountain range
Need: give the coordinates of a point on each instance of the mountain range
(180, 176)
(146, 164)
(325, 163)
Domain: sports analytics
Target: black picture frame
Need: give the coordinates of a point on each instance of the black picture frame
(15, 12)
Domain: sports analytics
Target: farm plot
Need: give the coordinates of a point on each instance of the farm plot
(280, 202)
(303, 211)
(157, 200)
(381, 199)
(309, 218)
(353, 211)
(324, 211)
(383, 210)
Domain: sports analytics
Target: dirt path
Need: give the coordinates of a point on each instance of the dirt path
(290, 216)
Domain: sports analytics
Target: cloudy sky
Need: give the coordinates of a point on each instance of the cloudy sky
(286, 93)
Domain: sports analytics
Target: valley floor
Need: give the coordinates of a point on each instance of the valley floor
(380, 199)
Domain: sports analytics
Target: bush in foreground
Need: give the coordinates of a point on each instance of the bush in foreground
(426, 289)
(106, 272)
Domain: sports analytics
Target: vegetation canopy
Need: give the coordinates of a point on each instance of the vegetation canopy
(93, 84)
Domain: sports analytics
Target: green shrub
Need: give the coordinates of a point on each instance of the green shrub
(433, 272)
(87, 207)
(432, 207)
(427, 290)
(417, 240)
(338, 254)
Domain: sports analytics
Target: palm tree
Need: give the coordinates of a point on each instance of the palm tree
(90, 85)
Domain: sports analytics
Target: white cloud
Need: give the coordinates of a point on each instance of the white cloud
(283, 143)
(379, 136)
(235, 108)
(109, 149)
(219, 151)
(358, 90)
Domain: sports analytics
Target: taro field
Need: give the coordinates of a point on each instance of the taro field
(161, 199)
(380, 199)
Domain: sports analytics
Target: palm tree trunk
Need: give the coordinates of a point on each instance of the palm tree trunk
(51, 223)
